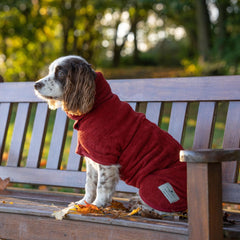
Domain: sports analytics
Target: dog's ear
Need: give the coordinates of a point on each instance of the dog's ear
(79, 91)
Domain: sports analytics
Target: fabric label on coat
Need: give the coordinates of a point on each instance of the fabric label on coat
(168, 191)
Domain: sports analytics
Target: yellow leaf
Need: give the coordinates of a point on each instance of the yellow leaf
(134, 211)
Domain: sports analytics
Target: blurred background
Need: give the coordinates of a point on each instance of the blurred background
(124, 39)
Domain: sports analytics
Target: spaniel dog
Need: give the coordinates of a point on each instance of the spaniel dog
(116, 141)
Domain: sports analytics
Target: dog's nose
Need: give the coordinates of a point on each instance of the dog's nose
(38, 85)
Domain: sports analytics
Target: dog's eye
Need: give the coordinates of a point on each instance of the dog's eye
(61, 74)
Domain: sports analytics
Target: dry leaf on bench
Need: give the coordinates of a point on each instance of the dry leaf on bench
(4, 183)
(59, 215)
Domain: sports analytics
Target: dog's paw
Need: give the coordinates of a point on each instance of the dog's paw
(99, 203)
(81, 202)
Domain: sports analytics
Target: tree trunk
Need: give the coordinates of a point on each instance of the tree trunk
(203, 29)
(136, 52)
(222, 32)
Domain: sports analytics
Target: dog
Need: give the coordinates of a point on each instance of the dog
(117, 142)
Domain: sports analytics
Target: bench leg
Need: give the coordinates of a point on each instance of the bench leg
(205, 201)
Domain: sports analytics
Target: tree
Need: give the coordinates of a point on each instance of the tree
(203, 30)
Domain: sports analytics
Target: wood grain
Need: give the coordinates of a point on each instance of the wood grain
(177, 120)
(133, 105)
(57, 141)
(74, 160)
(154, 111)
(38, 135)
(204, 168)
(215, 88)
(210, 156)
(5, 110)
(204, 201)
(231, 139)
(19, 133)
(204, 126)
(27, 227)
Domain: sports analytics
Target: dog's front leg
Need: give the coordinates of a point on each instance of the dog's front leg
(91, 182)
(108, 177)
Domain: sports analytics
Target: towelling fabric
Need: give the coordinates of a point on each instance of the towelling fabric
(112, 133)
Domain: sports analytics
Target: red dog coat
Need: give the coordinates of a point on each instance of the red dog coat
(112, 133)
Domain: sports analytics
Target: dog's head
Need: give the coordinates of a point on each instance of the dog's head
(70, 84)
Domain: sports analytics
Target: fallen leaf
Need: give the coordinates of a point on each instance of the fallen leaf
(88, 208)
(59, 215)
(4, 183)
(134, 211)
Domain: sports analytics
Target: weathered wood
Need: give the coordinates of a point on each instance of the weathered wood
(44, 176)
(204, 167)
(57, 141)
(133, 105)
(215, 88)
(204, 201)
(178, 89)
(17, 226)
(19, 134)
(52, 177)
(74, 160)
(204, 127)
(153, 112)
(5, 110)
(177, 120)
(38, 136)
(232, 139)
(231, 192)
(209, 156)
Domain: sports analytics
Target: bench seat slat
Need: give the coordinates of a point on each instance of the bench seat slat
(204, 125)
(5, 109)
(177, 120)
(231, 139)
(38, 135)
(58, 140)
(153, 112)
(19, 133)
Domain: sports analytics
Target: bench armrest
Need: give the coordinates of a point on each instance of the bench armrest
(204, 183)
(210, 156)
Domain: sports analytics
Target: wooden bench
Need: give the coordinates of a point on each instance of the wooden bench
(34, 149)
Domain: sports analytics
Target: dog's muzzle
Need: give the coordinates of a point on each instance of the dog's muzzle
(38, 85)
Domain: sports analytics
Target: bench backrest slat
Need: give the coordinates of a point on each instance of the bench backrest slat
(133, 105)
(177, 120)
(5, 109)
(231, 139)
(19, 133)
(58, 140)
(38, 135)
(177, 89)
(154, 112)
(204, 125)
(74, 160)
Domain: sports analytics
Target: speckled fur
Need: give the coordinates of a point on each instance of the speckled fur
(100, 183)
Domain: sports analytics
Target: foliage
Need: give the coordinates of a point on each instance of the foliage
(113, 33)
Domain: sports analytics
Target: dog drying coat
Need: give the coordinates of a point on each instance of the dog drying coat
(112, 133)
